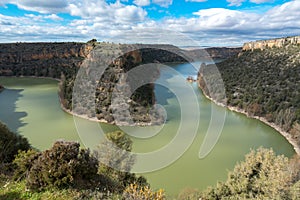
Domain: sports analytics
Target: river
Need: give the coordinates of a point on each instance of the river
(30, 106)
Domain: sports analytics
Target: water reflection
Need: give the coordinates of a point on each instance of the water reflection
(8, 108)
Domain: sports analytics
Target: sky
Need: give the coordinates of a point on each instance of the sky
(178, 22)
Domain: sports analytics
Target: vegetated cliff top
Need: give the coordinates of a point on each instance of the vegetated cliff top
(278, 42)
(265, 82)
(215, 52)
(14, 53)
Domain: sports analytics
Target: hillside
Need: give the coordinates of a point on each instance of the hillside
(263, 81)
(214, 52)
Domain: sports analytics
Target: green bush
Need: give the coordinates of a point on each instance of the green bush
(24, 161)
(262, 175)
(64, 165)
(10, 144)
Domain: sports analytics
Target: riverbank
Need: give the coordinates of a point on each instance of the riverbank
(94, 119)
(285, 134)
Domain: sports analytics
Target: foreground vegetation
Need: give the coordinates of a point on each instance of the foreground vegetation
(67, 171)
(262, 175)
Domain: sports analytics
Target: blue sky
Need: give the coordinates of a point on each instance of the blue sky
(179, 22)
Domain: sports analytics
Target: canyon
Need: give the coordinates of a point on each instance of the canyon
(105, 64)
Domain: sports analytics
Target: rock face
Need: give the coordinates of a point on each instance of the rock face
(264, 44)
(41, 59)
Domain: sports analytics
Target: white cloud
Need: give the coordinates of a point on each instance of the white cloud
(130, 14)
(35, 17)
(261, 1)
(124, 23)
(163, 3)
(53, 6)
(141, 2)
(220, 18)
(54, 17)
(41, 18)
(102, 11)
(286, 15)
(4, 2)
(235, 2)
(240, 2)
(195, 0)
(27, 29)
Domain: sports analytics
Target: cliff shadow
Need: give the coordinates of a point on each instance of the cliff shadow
(8, 109)
(163, 95)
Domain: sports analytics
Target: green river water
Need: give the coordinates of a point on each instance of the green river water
(30, 106)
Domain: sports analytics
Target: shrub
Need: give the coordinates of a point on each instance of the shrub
(188, 194)
(295, 191)
(10, 144)
(23, 162)
(262, 175)
(64, 165)
(137, 192)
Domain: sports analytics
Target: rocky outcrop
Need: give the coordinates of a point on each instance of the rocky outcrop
(264, 44)
(41, 59)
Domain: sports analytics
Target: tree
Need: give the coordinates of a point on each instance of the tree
(115, 159)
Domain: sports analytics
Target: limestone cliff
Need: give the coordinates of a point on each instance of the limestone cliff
(41, 59)
(264, 44)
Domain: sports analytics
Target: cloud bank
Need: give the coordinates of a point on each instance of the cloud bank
(130, 23)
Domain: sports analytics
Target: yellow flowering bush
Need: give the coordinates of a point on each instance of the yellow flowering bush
(136, 192)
